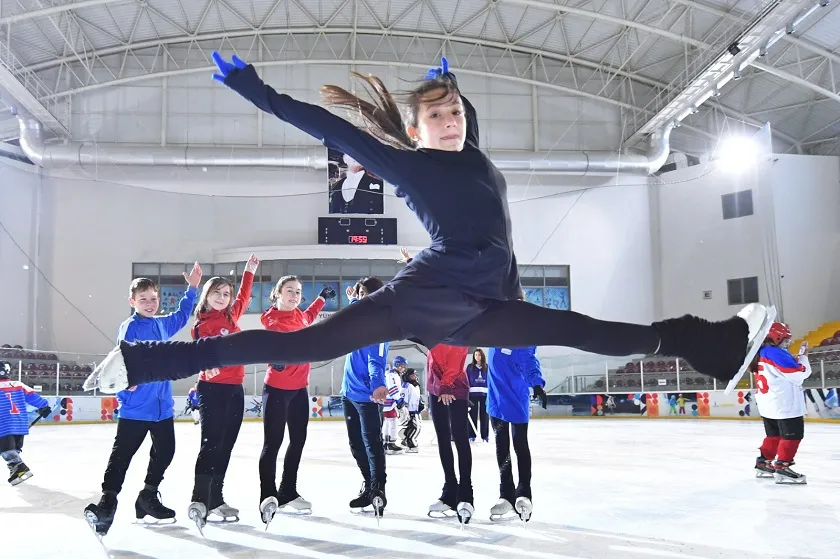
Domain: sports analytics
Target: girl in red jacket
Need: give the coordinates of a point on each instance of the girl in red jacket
(221, 398)
(449, 395)
(286, 401)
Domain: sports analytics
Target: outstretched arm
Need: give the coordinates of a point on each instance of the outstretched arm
(333, 131)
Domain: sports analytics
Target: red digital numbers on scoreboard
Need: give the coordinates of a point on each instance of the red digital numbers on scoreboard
(358, 239)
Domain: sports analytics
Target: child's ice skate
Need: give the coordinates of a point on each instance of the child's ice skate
(268, 508)
(197, 512)
(784, 475)
(764, 468)
(361, 503)
(439, 509)
(110, 375)
(523, 507)
(226, 512)
(148, 504)
(500, 510)
(101, 516)
(465, 512)
(378, 502)
(298, 505)
(19, 473)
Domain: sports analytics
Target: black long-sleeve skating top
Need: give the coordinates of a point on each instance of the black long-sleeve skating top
(460, 197)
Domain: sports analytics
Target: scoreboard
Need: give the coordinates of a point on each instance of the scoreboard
(357, 231)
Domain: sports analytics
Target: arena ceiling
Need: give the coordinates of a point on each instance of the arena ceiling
(636, 55)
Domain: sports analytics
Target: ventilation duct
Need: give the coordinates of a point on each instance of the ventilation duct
(93, 155)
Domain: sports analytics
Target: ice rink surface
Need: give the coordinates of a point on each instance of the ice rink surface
(602, 488)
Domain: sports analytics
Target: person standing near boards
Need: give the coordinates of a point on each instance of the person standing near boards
(477, 374)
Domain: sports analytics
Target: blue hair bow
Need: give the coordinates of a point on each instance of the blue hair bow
(437, 73)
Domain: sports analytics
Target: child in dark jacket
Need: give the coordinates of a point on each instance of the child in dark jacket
(146, 409)
(477, 374)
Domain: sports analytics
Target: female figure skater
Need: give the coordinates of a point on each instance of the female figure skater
(221, 398)
(513, 372)
(363, 391)
(464, 289)
(477, 374)
(449, 393)
(286, 400)
(778, 394)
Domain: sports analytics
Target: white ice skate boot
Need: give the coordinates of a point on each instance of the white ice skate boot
(298, 505)
(500, 509)
(465, 513)
(439, 509)
(268, 508)
(110, 376)
(759, 319)
(523, 508)
(198, 514)
(226, 512)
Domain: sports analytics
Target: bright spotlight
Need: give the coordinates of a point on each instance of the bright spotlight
(736, 154)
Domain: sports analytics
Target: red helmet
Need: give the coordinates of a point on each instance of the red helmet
(778, 333)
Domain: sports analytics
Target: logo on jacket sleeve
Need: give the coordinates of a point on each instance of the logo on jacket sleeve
(224, 331)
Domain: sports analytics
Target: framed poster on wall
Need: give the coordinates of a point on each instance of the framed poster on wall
(353, 189)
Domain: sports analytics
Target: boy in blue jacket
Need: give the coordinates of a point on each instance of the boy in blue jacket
(147, 409)
(512, 373)
(14, 421)
(363, 390)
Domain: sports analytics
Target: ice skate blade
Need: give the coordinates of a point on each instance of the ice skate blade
(506, 517)
(784, 480)
(764, 475)
(759, 319)
(21, 478)
(223, 520)
(291, 511)
(152, 521)
(440, 515)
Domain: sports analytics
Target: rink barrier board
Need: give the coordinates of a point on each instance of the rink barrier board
(655, 405)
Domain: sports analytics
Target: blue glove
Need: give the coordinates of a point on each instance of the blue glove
(437, 73)
(225, 67)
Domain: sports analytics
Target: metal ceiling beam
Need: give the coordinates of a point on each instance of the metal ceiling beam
(798, 81)
(736, 16)
(52, 10)
(513, 47)
(341, 62)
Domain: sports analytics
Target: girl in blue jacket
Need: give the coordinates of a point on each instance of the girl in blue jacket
(362, 391)
(512, 373)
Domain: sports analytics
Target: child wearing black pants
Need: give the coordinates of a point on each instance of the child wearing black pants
(512, 374)
(221, 398)
(147, 409)
(448, 401)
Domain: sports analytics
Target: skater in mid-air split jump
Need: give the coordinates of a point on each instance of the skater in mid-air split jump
(464, 289)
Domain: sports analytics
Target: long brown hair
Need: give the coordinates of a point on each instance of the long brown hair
(382, 118)
(211, 285)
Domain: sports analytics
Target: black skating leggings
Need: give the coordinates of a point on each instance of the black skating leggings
(282, 408)
(504, 324)
(503, 431)
(221, 407)
(451, 424)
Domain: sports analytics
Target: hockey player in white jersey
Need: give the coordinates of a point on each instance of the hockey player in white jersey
(410, 433)
(778, 393)
(394, 384)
